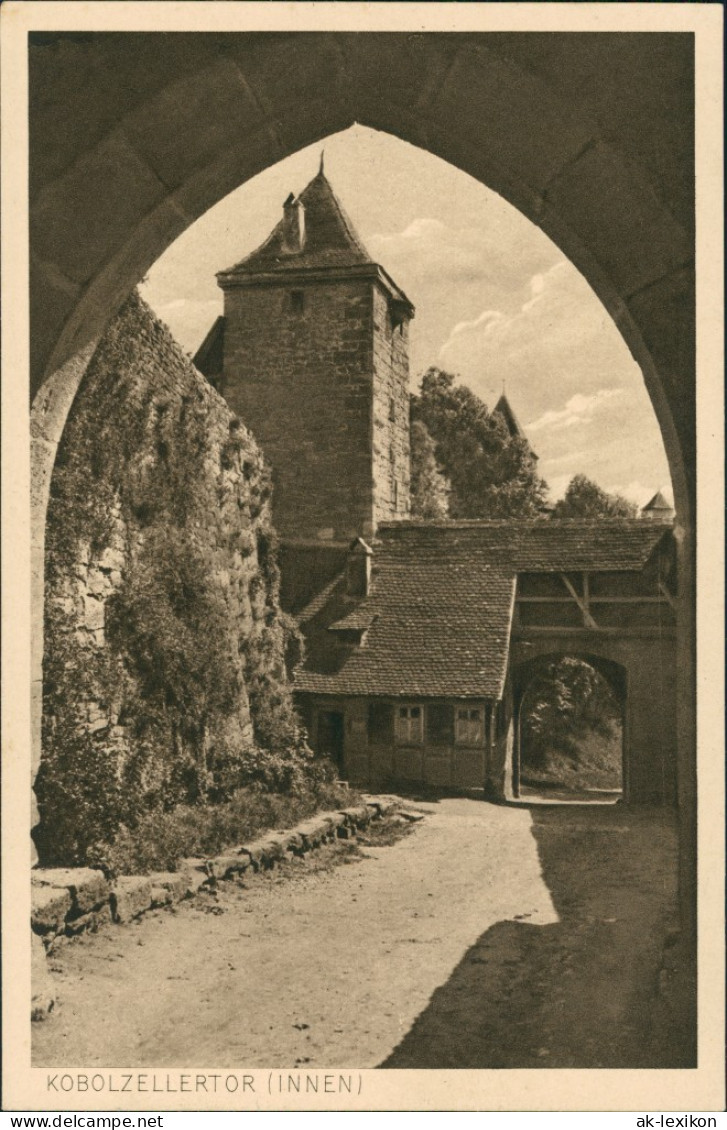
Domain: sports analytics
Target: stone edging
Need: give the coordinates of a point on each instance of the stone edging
(69, 901)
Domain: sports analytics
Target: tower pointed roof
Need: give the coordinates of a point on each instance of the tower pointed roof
(511, 420)
(328, 237)
(658, 504)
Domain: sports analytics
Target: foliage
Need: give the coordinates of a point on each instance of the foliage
(161, 839)
(585, 499)
(429, 487)
(492, 474)
(79, 791)
(566, 701)
(184, 695)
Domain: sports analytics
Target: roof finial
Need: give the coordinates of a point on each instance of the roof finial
(320, 171)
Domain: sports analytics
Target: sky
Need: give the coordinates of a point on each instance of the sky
(496, 301)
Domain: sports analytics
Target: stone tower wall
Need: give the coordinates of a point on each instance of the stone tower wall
(391, 446)
(318, 378)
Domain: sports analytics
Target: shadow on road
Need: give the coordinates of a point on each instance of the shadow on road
(582, 992)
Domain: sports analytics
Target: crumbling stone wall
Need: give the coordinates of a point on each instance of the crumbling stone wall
(165, 648)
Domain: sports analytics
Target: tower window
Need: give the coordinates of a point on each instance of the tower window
(392, 408)
(297, 301)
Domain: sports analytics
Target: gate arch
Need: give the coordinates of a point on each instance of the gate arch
(526, 673)
(590, 135)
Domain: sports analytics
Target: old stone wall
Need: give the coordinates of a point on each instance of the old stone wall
(164, 665)
(320, 373)
(298, 371)
(391, 445)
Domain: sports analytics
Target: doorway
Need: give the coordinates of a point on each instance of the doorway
(330, 737)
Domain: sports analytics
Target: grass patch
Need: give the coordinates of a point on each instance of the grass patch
(159, 840)
(597, 766)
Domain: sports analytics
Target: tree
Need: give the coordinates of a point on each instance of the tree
(585, 499)
(566, 699)
(429, 487)
(492, 473)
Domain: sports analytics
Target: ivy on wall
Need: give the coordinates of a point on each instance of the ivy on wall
(166, 671)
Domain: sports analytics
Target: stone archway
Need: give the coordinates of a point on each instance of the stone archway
(527, 673)
(133, 136)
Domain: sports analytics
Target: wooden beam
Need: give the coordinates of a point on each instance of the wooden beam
(587, 618)
(664, 631)
(592, 600)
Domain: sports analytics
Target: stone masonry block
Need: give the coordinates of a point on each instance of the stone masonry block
(384, 805)
(90, 922)
(196, 872)
(358, 815)
(176, 883)
(228, 866)
(161, 896)
(131, 896)
(87, 887)
(49, 907)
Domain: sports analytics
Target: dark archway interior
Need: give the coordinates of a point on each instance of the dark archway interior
(571, 717)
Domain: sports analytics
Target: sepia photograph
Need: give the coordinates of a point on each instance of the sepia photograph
(364, 541)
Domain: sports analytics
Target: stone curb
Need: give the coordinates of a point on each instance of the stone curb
(68, 901)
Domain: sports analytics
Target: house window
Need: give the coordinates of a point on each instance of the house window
(410, 725)
(297, 301)
(469, 729)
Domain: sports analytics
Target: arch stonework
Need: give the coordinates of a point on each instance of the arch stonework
(135, 135)
(641, 669)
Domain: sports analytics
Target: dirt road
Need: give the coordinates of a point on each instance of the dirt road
(489, 937)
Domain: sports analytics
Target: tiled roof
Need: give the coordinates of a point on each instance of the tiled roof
(539, 545)
(442, 598)
(658, 502)
(441, 627)
(330, 238)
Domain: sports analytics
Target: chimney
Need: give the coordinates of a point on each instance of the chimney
(358, 568)
(293, 225)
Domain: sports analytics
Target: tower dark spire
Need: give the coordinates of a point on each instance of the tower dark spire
(503, 409)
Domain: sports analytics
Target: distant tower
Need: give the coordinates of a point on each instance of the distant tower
(511, 421)
(657, 509)
(312, 354)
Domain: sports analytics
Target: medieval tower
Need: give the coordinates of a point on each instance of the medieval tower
(312, 353)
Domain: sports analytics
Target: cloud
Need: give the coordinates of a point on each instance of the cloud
(488, 321)
(421, 228)
(579, 409)
(514, 328)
